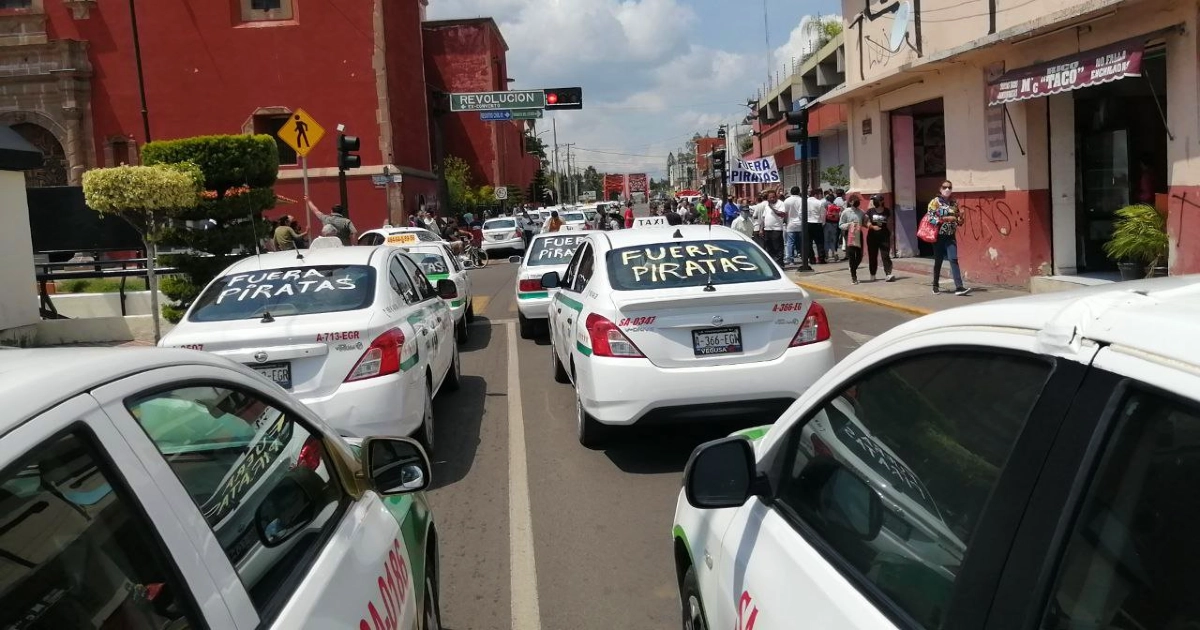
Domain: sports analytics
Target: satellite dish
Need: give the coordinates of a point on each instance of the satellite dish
(900, 26)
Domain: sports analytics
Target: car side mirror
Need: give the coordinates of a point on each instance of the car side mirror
(550, 280)
(395, 465)
(840, 498)
(514, 259)
(721, 474)
(446, 289)
(289, 507)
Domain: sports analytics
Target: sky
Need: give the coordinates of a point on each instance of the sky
(653, 72)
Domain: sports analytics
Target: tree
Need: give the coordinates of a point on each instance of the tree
(537, 188)
(592, 180)
(835, 177)
(535, 146)
(147, 198)
(239, 172)
(458, 182)
(516, 196)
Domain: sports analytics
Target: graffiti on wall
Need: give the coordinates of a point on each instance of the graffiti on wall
(987, 219)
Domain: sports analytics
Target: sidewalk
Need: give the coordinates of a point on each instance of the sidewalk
(910, 293)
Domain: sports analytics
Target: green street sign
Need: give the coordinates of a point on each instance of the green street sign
(527, 114)
(491, 101)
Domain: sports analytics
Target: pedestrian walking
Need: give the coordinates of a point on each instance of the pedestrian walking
(853, 223)
(730, 210)
(744, 222)
(526, 224)
(879, 238)
(769, 220)
(797, 214)
(943, 214)
(628, 214)
(673, 218)
(814, 249)
(286, 236)
(553, 224)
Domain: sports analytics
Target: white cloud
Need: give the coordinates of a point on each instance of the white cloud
(650, 77)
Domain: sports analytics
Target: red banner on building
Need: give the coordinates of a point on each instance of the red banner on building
(1094, 67)
(638, 183)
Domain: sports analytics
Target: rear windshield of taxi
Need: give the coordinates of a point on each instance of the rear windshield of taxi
(553, 250)
(284, 292)
(432, 262)
(499, 224)
(573, 216)
(674, 265)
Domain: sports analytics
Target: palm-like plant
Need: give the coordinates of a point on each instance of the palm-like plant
(1139, 235)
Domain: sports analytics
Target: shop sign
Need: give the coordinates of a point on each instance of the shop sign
(1102, 65)
(994, 123)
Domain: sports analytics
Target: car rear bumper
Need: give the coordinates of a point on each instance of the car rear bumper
(535, 305)
(512, 243)
(628, 391)
(385, 405)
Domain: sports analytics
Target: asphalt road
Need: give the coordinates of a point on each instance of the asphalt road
(537, 531)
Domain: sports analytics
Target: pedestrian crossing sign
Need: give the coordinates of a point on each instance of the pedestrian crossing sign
(301, 132)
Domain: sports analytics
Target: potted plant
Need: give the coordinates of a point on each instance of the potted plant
(1139, 242)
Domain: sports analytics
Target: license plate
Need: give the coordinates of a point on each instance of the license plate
(281, 373)
(710, 341)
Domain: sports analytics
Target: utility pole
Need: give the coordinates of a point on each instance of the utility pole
(557, 198)
(141, 79)
(572, 191)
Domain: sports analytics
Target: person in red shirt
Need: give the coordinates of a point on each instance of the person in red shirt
(628, 214)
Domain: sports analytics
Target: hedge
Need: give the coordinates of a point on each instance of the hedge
(227, 161)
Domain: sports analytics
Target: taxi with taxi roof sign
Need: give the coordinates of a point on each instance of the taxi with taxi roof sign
(154, 488)
(439, 263)
(681, 324)
(550, 251)
(357, 333)
(398, 236)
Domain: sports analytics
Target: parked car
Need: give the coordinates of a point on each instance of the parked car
(1037, 454)
(397, 236)
(439, 263)
(151, 488)
(550, 252)
(503, 235)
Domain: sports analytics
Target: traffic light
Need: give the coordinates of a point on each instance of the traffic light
(721, 132)
(799, 132)
(347, 145)
(564, 98)
(718, 161)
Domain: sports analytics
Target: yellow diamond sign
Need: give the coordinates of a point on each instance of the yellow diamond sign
(301, 132)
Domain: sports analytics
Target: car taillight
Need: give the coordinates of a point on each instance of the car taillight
(529, 285)
(608, 340)
(814, 328)
(381, 358)
(310, 455)
(518, 234)
(820, 448)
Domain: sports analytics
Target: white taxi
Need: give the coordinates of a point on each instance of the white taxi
(1038, 454)
(504, 233)
(547, 252)
(150, 488)
(574, 221)
(397, 236)
(357, 333)
(438, 263)
(681, 324)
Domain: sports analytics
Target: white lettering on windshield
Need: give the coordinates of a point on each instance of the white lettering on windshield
(267, 285)
(650, 264)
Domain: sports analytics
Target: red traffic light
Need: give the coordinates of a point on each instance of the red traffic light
(552, 98)
(564, 98)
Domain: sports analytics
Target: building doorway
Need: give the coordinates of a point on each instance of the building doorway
(54, 169)
(1121, 155)
(918, 169)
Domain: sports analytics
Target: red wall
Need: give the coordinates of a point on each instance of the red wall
(1183, 229)
(1005, 238)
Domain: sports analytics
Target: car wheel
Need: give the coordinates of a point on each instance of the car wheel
(560, 373)
(689, 598)
(591, 433)
(460, 331)
(426, 431)
(454, 374)
(527, 327)
(432, 617)
(470, 316)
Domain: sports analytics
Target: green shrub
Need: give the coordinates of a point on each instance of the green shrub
(227, 161)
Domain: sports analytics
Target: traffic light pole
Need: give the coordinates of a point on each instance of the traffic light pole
(342, 191)
(799, 134)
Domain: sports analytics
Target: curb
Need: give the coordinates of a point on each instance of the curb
(867, 299)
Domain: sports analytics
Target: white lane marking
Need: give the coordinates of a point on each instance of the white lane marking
(523, 590)
(858, 338)
(493, 322)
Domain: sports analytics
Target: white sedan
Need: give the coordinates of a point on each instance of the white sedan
(356, 333)
(503, 234)
(150, 488)
(547, 252)
(681, 324)
(574, 221)
(438, 262)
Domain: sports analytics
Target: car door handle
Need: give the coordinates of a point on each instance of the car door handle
(560, 310)
(569, 320)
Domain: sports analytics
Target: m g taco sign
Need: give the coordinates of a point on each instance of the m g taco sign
(1103, 65)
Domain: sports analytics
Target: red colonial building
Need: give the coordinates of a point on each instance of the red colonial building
(69, 83)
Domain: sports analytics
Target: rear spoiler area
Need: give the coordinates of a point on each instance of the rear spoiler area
(689, 299)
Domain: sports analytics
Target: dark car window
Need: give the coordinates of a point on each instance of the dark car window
(424, 288)
(232, 450)
(928, 435)
(400, 282)
(1133, 560)
(283, 292)
(76, 552)
(688, 264)
(373, 238)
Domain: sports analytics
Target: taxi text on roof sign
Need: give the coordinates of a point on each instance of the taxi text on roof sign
(301, 132)
(481, 101)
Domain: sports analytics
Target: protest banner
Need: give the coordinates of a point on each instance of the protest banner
(760, 171)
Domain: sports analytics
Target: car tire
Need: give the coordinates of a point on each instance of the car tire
(460, 331)
(470, 316)
(425, 433)
(431, 614)
(528, 330)
(560, 372)
(591, 433)
(691, 606)
(453, 378)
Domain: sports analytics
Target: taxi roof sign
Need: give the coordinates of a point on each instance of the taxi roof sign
(301, 132)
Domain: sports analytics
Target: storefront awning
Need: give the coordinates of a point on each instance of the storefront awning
(1102, 65)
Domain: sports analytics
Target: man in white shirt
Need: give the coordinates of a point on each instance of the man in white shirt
(328, 238)
(744, 223)
(814, 249)
(796, 213)
(769, 220)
